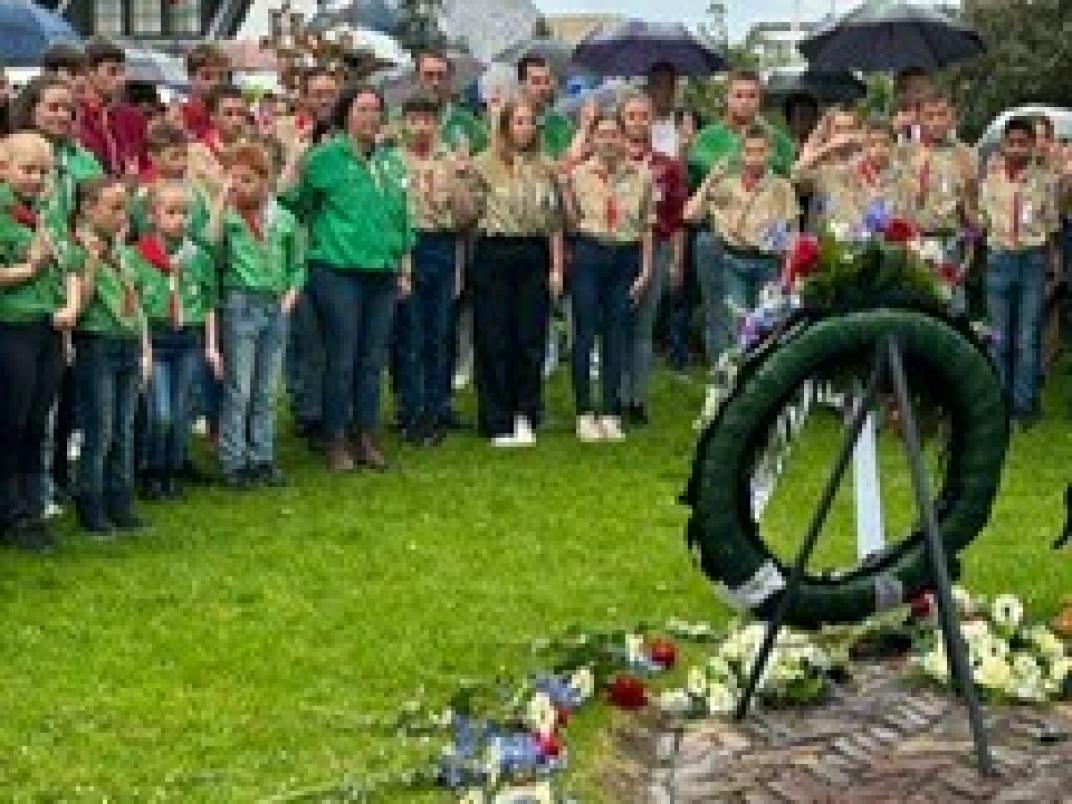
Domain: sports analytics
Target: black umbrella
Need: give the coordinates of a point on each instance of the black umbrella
(557, 53)
(634, 47)
(375, 15)
(887, 35)
(27, 30)
(840, 87)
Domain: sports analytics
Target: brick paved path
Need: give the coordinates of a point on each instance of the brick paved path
(878, 740)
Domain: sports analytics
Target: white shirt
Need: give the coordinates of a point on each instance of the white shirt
(664, 138)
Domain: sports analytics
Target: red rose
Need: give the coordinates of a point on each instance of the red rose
(24, 216)
(898, 230)
(802, 259)
(627, 692)
(949, 273)
(922, 605)
(663, 653)
(549, 745)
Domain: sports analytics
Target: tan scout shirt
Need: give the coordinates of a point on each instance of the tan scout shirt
(612, 207)
(432, 182)
(518, 200)
(758, 217)
(1019, 213)
(944, 180)
(846, 190)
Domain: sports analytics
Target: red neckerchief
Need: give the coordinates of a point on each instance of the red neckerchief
(610, 211)
(24, 215)
(303, 121)
(148, 175)
(212, 141)
(869, 172)
(750, 182)
(254, 220)
(154, 251)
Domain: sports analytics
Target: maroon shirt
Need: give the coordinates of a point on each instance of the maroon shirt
(196, 119)
(115, 135)
(672, 191)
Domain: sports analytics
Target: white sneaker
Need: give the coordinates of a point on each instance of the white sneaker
(523, 435)
(504, 441)
(611, 426)
(588, 429)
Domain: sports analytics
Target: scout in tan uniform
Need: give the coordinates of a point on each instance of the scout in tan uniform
(422, 340)
(944, 183)
(514, 196)
(1019, 210)
(610, 206)
(754, 213)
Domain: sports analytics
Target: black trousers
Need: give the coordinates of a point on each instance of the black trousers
(31, 365)
(510, 309)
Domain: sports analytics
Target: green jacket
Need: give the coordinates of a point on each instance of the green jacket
(73, 165)
(556, 133)
(273, 263)
(457, 122)
(356, 207)
(720, 143)
(194, 272)
(39, 296)
(115, 309)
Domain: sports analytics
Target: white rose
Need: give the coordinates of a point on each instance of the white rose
(696, 685)
(1047, 642)
(720, 699)
(974, 630)
(1007, 613)
(840, 231)
(935, 665)
(718, 669)
(993, 673)
(634, 648)
(963, 601)
(1025, 668)
(540, 710)
(1060, 671)
(583, 683)
(676, 702)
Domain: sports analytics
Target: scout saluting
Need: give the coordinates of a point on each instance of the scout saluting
(177, 281)
(38, 301)
(610, 205)
(113, 357)
(754, 213)
(1019, 210)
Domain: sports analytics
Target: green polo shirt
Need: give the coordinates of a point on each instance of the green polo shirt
(40, 296)
(355, 207)
(273, 263)
(196, 280)
(115, 309)
(720, 143)
(556, 133)
(73, 165)
(197, 214)
(457, 123)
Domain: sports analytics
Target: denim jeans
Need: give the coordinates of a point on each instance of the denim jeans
(708, 262)
(421, 346)
(600, 278)
(745, 277)
(1015, 291)
(355, 309)
(304, 364)
(253, 334)
(177, 358)
(640, 328)
(107, 375)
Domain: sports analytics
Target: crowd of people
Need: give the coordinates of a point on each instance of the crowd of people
(163, 263)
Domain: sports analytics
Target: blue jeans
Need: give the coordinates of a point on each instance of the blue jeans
(600, 278)
(107, 375)
(252, 334)
(177, 362)
(355, 310)
(708, 262)
(640, 328)
(304, 364)
(1015, 290)
(745, 277)
(422, 345)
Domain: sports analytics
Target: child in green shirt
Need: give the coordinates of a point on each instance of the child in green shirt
(176, 279)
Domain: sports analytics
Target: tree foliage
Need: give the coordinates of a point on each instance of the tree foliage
(1029, 54)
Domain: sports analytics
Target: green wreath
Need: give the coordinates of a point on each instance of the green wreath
(940, 354)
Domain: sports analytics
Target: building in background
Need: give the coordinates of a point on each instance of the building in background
(154, 23)
(573, 28)
(774, 44)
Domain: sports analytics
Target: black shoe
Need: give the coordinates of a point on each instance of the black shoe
(124, 519)
(91, 518)
(152, 488)
(308, 428)
(637, 415)
(236, 481)
(414, 434)
(268, 475)
(194, 476)
(32, 535)
(434, 435)
(170, 488)
(452, 421)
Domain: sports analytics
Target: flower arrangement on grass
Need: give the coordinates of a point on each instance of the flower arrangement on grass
(1012, 661)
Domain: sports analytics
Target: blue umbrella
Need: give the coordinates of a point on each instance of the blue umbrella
(890, 35)
(27, 30)
(634, 47)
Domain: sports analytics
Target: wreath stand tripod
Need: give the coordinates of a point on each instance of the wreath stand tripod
(888, 361)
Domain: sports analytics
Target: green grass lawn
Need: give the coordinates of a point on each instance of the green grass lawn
(232, 652)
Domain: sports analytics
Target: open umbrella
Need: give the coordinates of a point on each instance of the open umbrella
(376, 15)
(153, 67)
(27, 30)
(556, 52)
(842, 87)
(888, 35)
(634, 47)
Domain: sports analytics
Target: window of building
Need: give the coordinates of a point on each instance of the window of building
(185, 17)
(108, 17)
(145, 18)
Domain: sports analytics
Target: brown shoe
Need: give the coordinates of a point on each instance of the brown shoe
(339, 459)
(368, 453)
